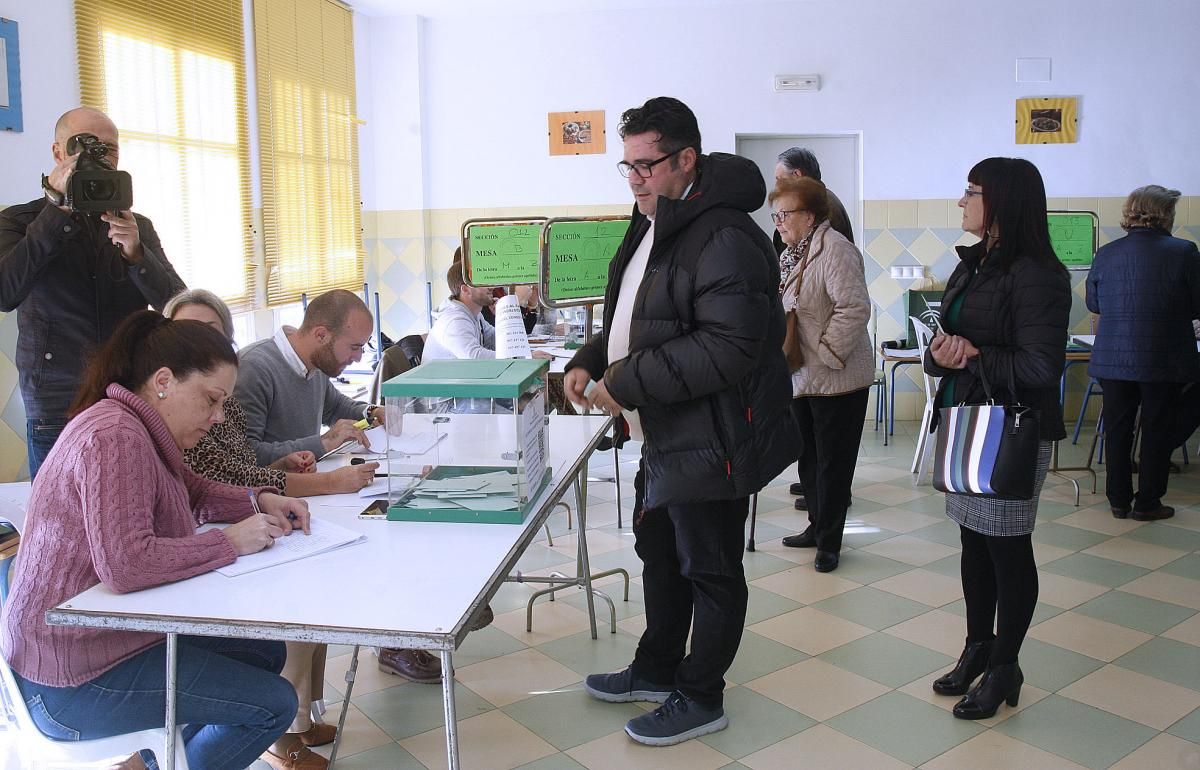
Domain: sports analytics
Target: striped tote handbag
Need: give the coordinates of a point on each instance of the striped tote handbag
(987, 450)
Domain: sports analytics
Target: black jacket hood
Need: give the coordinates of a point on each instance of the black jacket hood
(722, 181)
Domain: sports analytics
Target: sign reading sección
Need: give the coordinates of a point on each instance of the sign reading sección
(575, 258)
(501, 252)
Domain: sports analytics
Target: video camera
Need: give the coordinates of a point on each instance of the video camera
(95, 186)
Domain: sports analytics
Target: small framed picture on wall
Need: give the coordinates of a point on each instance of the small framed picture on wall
(1047, 120)
(576, 133)
(10, 77)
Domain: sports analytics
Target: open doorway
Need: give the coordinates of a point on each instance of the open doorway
(840, 156)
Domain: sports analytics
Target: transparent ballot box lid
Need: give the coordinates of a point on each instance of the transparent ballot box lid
(466, 440)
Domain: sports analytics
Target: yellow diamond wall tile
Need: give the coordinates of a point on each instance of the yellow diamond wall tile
(13, 465)
(885, 248)
(927, 248)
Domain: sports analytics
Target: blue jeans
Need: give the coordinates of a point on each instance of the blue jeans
(40, 436)
(228, 693)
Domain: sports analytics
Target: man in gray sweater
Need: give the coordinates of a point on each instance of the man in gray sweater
(283, 382)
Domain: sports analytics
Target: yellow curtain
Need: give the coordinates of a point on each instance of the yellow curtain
(171, 75)
(308, 138)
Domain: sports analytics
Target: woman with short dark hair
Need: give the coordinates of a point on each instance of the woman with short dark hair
(116, 505)
(1004, 318)
(1146, 288)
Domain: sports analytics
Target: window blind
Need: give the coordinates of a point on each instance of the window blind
(308, 135)
(171, 75)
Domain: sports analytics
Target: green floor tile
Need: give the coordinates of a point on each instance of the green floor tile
(860, 506)
(950, 566)
(1138, 612)
(765, 604)
(863, 567)
(1052, 668)
(485, 644)
(615, 591)
(1188, 566)
(903, 727)
(1094, 569)
(622, 557)
(1048, 510)
(1165, 659)
(886, 659)
(1062, 536)
(1074, 730)
(760, 564)
(735, 766)
(755, 722)
(944, 532)
(1160, 533)
(583, 655)
(511, 596)
(570, 718)
(931, 504)
(538, 557)
(758, 656)
(861, 535)
(765, 531)
(391, 755)
(555, 762)
(1187, 728)
(411, 709)
(871, 607)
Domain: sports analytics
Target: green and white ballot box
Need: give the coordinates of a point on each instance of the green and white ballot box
(467, 440)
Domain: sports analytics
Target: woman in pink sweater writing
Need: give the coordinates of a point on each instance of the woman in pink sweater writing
(115, 504)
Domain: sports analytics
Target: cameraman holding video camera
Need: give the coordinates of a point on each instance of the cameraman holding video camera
(73, 264)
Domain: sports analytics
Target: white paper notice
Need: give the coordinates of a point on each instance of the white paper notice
(511, 341)
(533, 442)
(325, 536)
(4, 100)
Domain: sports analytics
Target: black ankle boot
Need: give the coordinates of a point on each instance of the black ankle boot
(999, 683)
(971, 664)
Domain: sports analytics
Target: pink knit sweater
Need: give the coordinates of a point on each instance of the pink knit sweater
(114, 504)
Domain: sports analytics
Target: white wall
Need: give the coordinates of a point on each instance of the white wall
(49, 87)
(929, 82)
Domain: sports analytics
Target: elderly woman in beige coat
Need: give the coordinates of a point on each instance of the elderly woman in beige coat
(822, 283)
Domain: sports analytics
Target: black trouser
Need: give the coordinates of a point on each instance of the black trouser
(692, 573)
(830, 431)
(1157, 400)
(1000, 586)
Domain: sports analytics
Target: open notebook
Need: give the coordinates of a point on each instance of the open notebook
(325, 536)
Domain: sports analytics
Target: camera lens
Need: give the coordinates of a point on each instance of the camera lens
(100, 190)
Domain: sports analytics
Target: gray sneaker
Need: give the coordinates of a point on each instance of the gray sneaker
(624, 687)
(677, 720)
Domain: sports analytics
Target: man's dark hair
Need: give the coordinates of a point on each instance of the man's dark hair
(454, 276)
(671, 119)
(801, 159)
(332, 310)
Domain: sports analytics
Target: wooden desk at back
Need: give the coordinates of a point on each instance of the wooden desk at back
(409, 584)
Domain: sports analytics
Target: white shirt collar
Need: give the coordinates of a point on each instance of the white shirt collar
(289, 353)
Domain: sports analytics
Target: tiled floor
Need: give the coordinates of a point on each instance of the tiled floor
(834, 670)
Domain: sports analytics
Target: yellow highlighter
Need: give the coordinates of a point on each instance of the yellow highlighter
(362, 424)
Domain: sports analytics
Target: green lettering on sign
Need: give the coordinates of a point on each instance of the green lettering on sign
(579, 253)
(502, 254)
(1073, 236)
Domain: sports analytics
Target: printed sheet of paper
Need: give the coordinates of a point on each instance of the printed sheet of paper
(533, 441)
(325, 536)
(511, 340)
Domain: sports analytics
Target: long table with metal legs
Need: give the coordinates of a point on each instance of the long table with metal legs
(453, 568)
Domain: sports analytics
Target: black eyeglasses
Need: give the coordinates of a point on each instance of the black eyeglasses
(782, 214)
(644, 170)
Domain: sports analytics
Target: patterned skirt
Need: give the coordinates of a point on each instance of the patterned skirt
(1001, 518)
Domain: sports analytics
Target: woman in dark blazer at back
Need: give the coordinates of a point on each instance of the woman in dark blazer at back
(1146, 289)
(1004, 314)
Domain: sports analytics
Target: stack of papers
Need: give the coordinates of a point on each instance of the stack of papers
(493, 491)
(325, 537)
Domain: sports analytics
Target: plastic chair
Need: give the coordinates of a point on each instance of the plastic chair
(36, 750)
(924, 445)
(880, 383)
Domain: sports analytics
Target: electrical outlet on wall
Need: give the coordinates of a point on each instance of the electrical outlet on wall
(907, 272)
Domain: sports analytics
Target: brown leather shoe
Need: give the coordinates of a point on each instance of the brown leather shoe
(318, 735)
(483, 619)
(289, 753)
(414, 665)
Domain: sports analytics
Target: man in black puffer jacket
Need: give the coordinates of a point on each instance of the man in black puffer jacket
(691, 357)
